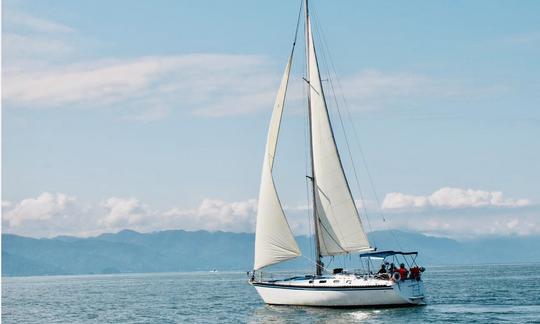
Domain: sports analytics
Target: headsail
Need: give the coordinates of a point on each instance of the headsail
(340, 230)
(274, 241)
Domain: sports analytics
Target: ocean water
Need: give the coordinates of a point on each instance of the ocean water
(464, 294)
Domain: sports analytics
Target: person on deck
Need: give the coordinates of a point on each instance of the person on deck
(403, 272)
(415, 273)
(392, 268)
(383, 273)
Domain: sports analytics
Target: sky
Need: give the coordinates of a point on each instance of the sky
(152, 115)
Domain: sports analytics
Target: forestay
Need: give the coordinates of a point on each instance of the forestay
(340, 229)
(274, 241)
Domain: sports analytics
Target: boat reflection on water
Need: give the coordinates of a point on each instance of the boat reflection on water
(307, 314)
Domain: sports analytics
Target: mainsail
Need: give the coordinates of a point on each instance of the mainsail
(274, 241)
(339, 227)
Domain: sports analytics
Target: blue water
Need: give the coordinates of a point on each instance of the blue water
(481, 294)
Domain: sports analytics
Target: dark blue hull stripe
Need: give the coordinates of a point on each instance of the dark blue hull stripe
(319, 288)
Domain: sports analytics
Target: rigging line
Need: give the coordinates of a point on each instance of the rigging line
(330, 262)
(298, 21)
(328, 60)
(357, 140)
(324, 268)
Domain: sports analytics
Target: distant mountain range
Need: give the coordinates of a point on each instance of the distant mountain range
(177, 250)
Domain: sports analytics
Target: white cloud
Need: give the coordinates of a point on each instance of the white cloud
(215, 214)
(41, 70)
(28, 22)
(44, 207)
(460, 213)
(369, 84)
(204, 84)
(213, 85)
(17, 46)
(123, 213)
(466, 223)
(451, 198)
(29, 38)
(373, 89)
(149, 88)
(397, 200)
(60, 214)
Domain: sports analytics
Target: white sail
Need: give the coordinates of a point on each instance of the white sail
(340, 229)
(274, 241)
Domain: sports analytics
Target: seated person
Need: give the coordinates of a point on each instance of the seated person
(403, 272)
(383, 274)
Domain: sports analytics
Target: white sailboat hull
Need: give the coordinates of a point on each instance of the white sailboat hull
(408, 292)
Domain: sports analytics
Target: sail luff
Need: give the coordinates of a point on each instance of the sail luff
(274, 240)
(340, 229)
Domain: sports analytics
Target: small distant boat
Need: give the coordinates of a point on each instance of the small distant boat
(337, 226)
(213, 270)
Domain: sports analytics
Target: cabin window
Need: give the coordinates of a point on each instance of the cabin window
(311, 281)
(336, 281)
(348, 281)
(322, 281)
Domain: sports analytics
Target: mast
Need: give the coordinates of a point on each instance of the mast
(319, 265)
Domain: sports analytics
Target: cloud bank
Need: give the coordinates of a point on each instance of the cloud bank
(207, 84)
(43, 70)
(59, 214)
(450, 212)
(461, 213)
(450, 198)
(42, 208)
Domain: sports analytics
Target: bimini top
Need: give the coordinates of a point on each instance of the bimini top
(384, 254)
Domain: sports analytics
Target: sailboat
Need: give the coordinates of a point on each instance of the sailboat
(338, 229)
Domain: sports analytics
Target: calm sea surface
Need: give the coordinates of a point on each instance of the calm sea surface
(481, 294)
